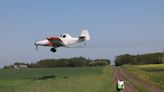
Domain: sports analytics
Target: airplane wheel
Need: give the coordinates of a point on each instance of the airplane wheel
(53, 50)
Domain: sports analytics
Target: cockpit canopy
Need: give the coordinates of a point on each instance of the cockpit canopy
(65, 36)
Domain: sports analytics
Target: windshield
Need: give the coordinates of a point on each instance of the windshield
(63, 36)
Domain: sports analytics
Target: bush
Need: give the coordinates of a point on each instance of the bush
(72, 62)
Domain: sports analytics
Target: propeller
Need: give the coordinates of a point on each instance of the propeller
(36, 45)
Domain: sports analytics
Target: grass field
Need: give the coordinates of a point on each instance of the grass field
(80, 79)
(153, 73)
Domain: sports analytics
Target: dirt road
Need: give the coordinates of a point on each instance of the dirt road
(132, 82)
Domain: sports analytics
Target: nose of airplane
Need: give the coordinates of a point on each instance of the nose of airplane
(42, 43)
(37, 43)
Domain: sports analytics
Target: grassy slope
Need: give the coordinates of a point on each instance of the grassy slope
(87, 79)
(153, 73)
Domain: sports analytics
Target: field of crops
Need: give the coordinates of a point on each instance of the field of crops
(153, 73)
(80, 79)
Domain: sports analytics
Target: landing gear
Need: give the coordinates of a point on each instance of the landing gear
(53, 50)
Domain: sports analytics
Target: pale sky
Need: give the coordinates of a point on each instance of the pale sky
(116, 27)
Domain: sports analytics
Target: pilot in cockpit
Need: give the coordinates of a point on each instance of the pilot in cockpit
(63, 36)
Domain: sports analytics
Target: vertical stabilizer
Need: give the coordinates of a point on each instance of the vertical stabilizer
(85, 34)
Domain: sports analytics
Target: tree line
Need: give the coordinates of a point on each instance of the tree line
(150, 58)
(71, 62)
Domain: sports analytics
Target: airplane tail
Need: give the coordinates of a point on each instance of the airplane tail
(85, 34)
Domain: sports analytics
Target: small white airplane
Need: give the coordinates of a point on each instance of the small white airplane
(65, 40)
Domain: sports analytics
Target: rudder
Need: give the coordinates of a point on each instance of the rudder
(85, 34)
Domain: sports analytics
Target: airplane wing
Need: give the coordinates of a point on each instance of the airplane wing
(55, 41)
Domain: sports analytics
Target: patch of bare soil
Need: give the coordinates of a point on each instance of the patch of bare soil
(120, 74)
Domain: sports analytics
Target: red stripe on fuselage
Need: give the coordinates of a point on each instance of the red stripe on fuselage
(54, 38)
(51, 39)
(49, 44)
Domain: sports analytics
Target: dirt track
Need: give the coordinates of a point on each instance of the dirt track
(132, 81)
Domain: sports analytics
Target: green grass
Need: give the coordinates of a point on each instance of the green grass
(80, 79)
(153, 73)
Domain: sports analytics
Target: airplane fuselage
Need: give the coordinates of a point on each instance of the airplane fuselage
(63, 41)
